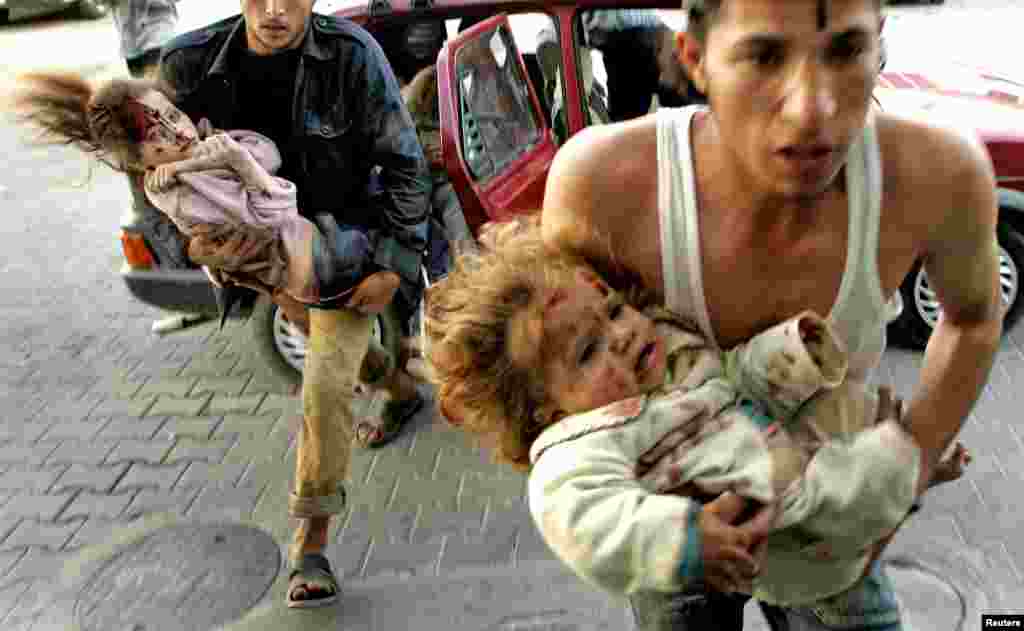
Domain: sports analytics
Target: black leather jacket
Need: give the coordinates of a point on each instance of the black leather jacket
(348, 117)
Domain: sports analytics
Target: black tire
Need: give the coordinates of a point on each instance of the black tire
(911, 330)
(265, 319)
(92, 9)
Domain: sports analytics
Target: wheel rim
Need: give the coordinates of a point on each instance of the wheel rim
(292, 343)
(927, 302)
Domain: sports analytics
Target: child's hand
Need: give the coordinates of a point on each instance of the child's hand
(162, 178)
(434, 157)
(951, 468)
(432, 152)
(374, 293)
(731, 554)
(223, 150)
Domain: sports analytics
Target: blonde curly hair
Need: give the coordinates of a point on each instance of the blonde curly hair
(487, 383)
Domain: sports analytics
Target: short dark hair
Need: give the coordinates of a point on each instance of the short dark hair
(701, 15)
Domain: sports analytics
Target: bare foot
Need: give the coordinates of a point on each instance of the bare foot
(951, 468)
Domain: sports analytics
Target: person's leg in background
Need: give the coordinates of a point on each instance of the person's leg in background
(449, 211)
(449, 232)
(439, 255)
(631, 64)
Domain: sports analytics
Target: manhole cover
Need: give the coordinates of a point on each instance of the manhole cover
(180, 578)
(929, 602)
(940, 585)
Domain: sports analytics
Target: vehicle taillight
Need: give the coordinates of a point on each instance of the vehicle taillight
(136, 253)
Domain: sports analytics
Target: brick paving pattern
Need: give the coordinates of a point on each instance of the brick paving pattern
(100, 433)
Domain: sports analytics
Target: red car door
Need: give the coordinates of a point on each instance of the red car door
(496, 144)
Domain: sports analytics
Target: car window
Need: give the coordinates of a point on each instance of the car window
(535, 35)
(499, 123)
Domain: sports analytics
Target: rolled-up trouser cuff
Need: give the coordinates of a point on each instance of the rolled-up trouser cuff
(319, 506)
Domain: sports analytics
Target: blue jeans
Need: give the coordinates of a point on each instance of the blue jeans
(870, 605)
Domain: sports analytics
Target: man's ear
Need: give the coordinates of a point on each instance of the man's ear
(691, 57)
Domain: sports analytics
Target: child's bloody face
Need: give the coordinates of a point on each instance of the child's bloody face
(597, 348)
(167, 134)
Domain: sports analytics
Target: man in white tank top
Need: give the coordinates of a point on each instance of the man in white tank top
(771, 202)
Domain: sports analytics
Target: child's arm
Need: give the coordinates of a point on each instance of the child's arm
(784, 366)
(607, 528)
(856, 491)
(219, 151)
(588, 499)
(233, 155)
(163, 177)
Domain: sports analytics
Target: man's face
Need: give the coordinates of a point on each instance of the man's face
(275, 25)
(789, 85)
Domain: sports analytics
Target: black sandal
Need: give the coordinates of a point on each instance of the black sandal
(310, 567)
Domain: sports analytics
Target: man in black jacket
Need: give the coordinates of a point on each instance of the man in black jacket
(322, 90)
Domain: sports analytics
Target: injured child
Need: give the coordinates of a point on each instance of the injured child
(217, 187)
(624, 418)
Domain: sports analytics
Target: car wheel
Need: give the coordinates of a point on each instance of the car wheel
(282, 345)
(92, 9)
(914, 326)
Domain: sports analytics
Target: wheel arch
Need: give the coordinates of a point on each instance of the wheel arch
(1011, 208)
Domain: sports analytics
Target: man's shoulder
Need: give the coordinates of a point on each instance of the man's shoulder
(333, 26)
(200, 37)
(903, 141)
(930, 194)
(597, 152)
(601, 193)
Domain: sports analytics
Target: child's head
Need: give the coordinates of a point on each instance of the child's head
(129, 124)
(519, 337)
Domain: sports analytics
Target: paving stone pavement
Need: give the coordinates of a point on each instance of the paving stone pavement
(101, 443)
(105, 438)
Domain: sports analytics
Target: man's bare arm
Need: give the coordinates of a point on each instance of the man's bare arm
(591, 209)
(962, 262)
(570, 210)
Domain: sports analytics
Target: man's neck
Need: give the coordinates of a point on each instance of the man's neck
(726, 190)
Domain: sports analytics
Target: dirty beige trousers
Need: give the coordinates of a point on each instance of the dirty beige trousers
(338, 342)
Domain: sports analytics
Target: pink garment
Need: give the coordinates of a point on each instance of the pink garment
(219, 197)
